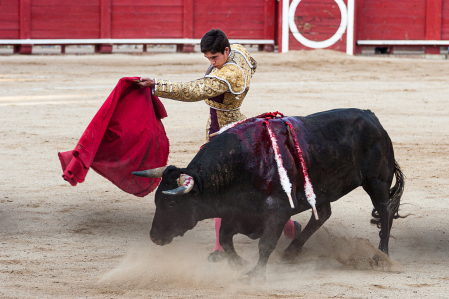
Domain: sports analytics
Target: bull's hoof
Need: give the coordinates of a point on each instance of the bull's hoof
(253, 275)
(291, 256)
(378, 260)
(216, 256)
(237, 263)
(245, 279)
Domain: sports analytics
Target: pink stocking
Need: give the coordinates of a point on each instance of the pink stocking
(289, 229)
(217, 235)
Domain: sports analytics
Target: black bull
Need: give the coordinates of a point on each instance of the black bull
(236, 178)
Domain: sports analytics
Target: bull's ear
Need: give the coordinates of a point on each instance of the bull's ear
(172, 173)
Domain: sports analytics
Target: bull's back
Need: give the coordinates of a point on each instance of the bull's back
(345, 146)
(338, 129)
(340, 121)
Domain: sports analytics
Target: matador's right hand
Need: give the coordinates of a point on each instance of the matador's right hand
(145, 82)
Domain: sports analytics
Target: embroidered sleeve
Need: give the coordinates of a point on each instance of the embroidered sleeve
(193, 91)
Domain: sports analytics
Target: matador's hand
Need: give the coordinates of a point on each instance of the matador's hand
(145, 82)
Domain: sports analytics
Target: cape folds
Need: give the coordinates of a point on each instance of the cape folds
(125, 135)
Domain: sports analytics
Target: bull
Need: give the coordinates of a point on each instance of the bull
(235, 177)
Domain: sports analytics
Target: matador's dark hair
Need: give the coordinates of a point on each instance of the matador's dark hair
(214, 41)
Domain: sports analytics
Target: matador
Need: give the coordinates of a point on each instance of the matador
(223, 88)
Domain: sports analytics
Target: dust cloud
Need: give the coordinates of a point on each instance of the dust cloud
(148, 266)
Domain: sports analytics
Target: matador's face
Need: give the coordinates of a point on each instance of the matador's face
(217, 59)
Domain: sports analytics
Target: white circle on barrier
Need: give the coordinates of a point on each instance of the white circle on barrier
(325, 43)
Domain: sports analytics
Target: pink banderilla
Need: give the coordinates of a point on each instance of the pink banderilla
(285, 182)
(308, 188)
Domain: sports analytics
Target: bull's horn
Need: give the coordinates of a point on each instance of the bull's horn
(185, 183)
(151, 173)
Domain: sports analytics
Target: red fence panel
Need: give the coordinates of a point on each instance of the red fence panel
(65, 19)
(410, 23)
(445, 20)
(314, 21)
(239, 19)
(92, 19)
(433, 19)
(9, 19)
(392, 20)
(147, 19)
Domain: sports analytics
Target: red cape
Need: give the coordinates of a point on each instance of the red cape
(125, 135)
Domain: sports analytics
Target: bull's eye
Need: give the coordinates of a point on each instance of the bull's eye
(171, 204)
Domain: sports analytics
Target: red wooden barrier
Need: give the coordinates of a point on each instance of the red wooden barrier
(393, 20)
(25, 25)
(9, 19)
(433, 24)
(422, 21)
(445, 20)
(134, 19)
(383, 22)
(63, 19)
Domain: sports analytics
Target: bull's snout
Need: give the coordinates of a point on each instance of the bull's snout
(158, 240)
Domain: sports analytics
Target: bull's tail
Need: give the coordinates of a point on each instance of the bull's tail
(394, 199)
(396, 192)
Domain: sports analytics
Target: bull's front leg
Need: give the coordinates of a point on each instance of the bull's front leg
(226, 234)
(267, 243)
(324, 212)
(272, 229)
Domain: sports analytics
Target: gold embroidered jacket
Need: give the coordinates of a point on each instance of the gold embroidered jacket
(232, 80)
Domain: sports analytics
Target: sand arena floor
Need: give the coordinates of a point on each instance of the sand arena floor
(92, 240)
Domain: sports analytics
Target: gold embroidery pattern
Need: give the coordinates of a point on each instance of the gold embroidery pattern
(193, 91)
(231, 74)
(207, 129)
(247, 56)
(228, 117)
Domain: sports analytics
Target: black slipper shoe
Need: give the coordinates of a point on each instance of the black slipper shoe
(216, 256)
